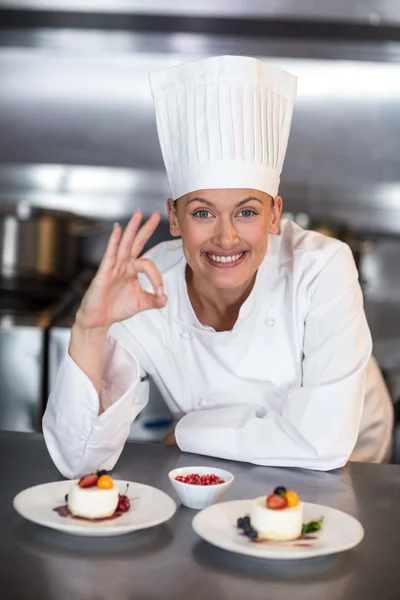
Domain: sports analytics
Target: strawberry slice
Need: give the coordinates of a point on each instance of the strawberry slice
(88, 480)
(276, 502)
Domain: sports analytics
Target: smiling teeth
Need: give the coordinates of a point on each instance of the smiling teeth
(225, 259)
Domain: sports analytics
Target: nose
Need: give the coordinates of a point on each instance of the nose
(226, 235)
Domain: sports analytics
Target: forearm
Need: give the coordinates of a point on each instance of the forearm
(317, 429)
(79, 440)
(86, 349)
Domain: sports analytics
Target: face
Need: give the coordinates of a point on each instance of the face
(225, 232)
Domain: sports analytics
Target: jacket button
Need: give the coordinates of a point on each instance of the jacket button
(270, 322)
(186, 335)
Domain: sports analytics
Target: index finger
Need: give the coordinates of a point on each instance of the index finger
(129, 234)
(145, 233)
(110, 255)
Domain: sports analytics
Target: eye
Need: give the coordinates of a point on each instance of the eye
(248, 212)
(201, 214)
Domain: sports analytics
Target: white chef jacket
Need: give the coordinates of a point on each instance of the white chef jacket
(284, 387)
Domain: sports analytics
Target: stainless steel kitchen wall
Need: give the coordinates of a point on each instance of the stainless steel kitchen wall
(74, 92)
(343, 157)
(77, 127)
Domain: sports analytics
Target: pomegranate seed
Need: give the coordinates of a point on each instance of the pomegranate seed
(196, 479)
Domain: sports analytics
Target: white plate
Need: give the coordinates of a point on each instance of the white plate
(149, 507)
(217, 525)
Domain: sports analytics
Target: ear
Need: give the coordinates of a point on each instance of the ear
(276, 212)
(173, 219)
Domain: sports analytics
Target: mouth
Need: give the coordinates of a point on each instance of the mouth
(224, 261)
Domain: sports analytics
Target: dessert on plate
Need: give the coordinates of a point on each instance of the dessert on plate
(94, 496)
(277, 517)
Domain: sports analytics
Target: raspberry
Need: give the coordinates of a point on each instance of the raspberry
(276, 502)
(88, 480)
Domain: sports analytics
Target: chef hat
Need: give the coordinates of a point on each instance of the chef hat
(223, 122)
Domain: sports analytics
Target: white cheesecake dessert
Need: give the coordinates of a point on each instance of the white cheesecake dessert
(277, 525)
(92, 502)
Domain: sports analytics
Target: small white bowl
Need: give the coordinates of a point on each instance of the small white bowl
(200, 496)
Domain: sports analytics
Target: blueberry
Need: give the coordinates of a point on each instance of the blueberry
(253, 535)
(66, 497)
(102, 472)
(247, 528)
(240, 523)
(249, 532)
(280, 490)
(246, 520)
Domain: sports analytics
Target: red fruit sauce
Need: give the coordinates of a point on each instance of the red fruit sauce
(302, 540)
(63, 511)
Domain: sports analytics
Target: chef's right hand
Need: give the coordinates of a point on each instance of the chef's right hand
(115, 293)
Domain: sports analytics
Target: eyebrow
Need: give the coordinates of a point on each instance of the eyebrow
(208, 203)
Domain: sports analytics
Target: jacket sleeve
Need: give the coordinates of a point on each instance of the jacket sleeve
(376, 429)
(78, 439)
(318, 425)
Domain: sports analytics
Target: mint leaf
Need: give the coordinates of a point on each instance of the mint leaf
(312, 526)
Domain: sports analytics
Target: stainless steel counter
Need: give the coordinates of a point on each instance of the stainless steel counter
(170, 561)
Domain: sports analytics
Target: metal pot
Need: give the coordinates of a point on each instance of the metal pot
(40, 243)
